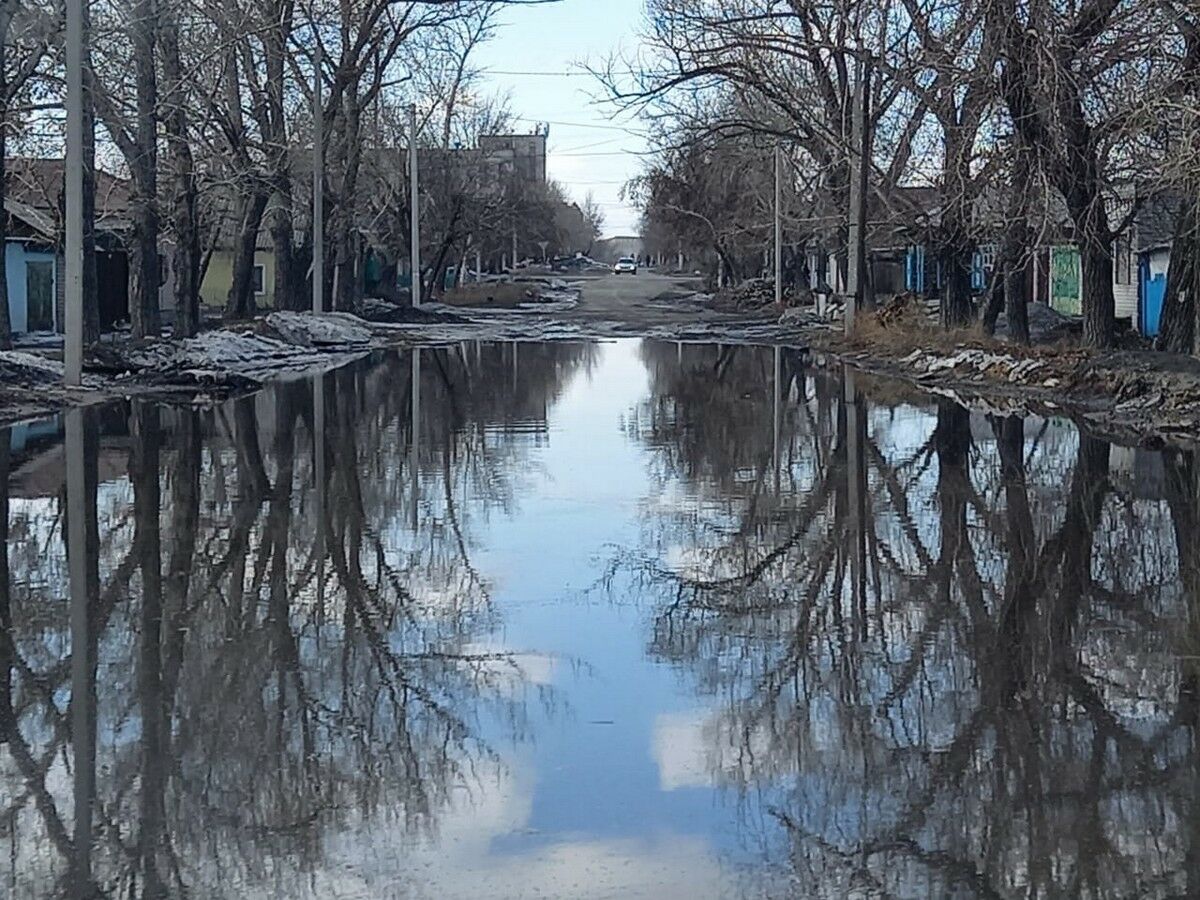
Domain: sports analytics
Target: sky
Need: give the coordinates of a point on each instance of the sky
(590, 149)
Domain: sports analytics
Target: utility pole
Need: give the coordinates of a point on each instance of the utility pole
(514, 248)
(859, 156)
(778, 225)
(73, 326)
(318, 111)
(414, 207)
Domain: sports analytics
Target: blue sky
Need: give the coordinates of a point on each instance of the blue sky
(589, 148)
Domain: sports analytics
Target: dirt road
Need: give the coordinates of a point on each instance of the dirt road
(646, 298)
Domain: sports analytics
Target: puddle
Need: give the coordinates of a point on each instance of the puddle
(626, 619)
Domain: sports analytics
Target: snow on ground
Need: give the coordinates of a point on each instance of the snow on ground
(324, 329)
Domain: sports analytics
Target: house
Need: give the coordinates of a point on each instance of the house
(1140, 256)
(218, 273)
(1155, 233)
(33, 270)
(35, 267)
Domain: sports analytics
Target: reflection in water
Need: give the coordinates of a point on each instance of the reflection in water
(955, 657)
(346, 638)
(230, 712)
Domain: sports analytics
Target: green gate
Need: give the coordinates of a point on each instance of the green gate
(1064, 280)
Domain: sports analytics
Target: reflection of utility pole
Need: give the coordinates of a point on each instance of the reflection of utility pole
(859, 161)
(414, 441)
(318, 203)
(778, 410)
(73, 326)
(83, 674)
(319, 476)
(856, 439)
(414, 208)
(778, 230)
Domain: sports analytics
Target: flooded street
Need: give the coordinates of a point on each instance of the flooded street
(627, 619)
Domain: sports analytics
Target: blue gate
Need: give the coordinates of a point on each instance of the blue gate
(1154, 290)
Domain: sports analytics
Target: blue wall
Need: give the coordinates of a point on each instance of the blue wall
(14, 262)
(16, 255)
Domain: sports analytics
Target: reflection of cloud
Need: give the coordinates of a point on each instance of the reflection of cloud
(379, 859)
(706, 749)
(681, 750)
(511, 672)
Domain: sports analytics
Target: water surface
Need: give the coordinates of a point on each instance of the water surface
(632, 619)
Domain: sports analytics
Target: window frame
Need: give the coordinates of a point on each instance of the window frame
(258, 279)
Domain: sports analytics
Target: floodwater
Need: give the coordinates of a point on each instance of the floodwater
(628, 619)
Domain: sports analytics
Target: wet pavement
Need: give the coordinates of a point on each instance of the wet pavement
(625, 619)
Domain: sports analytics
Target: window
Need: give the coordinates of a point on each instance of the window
(987, 256)
(1122, 262)
(258, 277)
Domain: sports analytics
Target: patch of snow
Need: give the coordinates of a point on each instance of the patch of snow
(318, 329)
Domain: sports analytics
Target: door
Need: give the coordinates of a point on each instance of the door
(39, 293)
(1154, 292)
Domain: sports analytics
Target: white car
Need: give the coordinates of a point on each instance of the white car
(625, 265)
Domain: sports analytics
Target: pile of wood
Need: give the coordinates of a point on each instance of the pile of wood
(749, 295)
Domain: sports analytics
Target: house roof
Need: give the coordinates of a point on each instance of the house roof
(38, 184)
(1156, 220)
(39, 223)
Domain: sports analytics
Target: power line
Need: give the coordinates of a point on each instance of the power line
(608, 153)
(625, 128)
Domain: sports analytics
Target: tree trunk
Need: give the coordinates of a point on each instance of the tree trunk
(343, 222)
(186, 262)
(955, 248)
(1095, 255)
(1008, 289)
(955, 258)
(240, 302)
(289, 287)
(144, 308)
(1177, 325)
(1016, 299)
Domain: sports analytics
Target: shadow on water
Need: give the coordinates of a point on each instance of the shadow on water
(933, 653)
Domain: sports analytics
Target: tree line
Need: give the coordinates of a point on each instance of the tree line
(208, 108)
(1018, 116)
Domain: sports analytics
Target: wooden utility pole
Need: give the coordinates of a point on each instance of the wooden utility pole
(414, 205)
(318, 112)
(73, 326)
(859, 161)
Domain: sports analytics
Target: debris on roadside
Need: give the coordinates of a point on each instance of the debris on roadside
(756, 293)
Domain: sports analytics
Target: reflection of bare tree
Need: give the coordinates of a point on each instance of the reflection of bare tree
(241, 723)
(999, 703)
